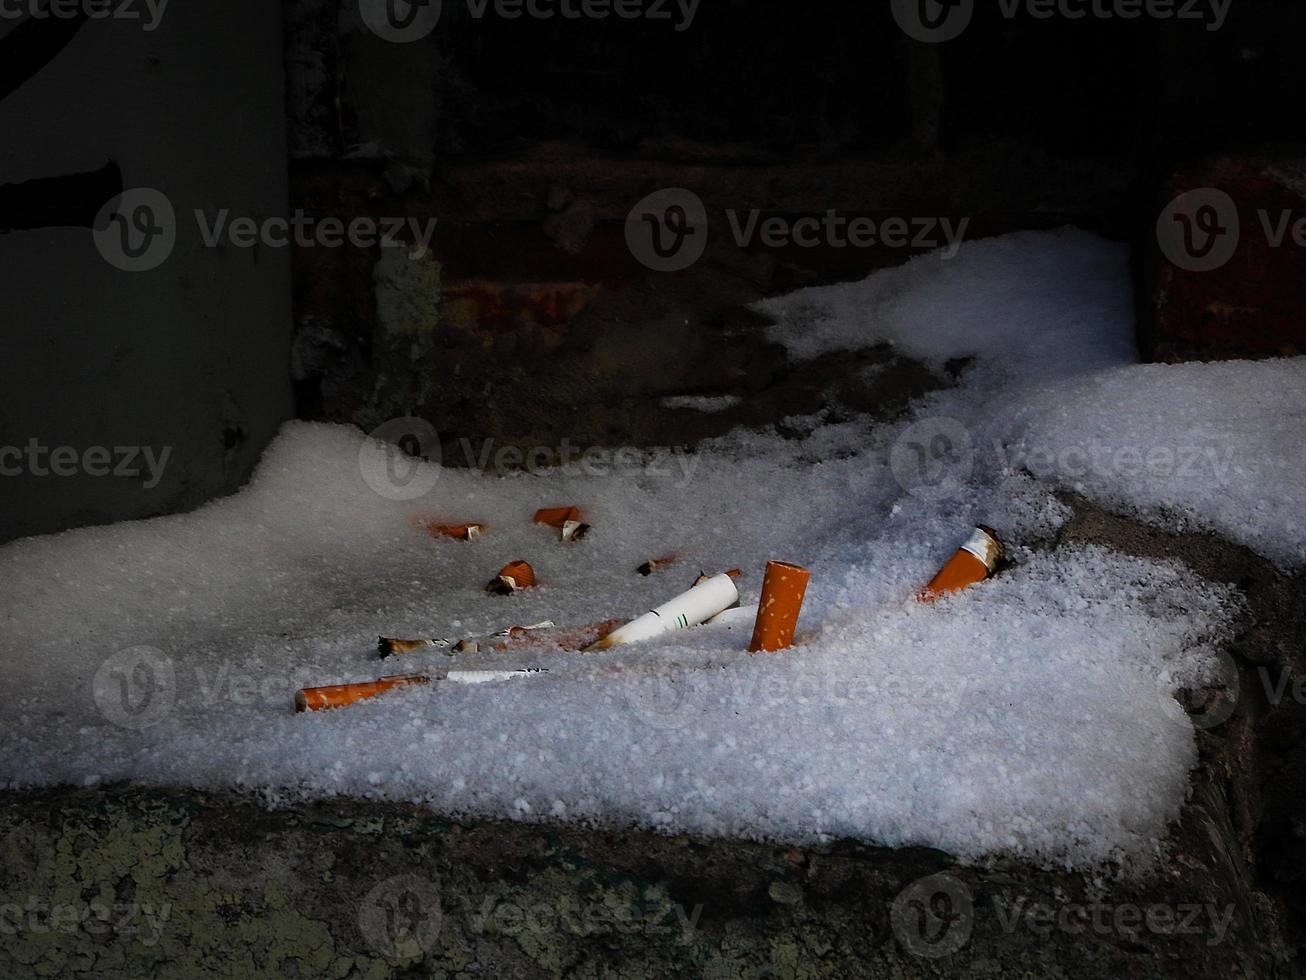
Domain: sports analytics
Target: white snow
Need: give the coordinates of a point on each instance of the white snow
(1033, 715)
(1055, 388)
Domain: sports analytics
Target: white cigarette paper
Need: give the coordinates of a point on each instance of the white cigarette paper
(487, 676)
(707, 599)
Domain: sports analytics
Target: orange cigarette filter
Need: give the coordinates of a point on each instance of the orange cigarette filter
(783, 590)
(557, 516)
(339, 695)
(975, 561)
(513, 577)
(460, 532)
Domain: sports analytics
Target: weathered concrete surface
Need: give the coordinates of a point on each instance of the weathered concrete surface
(130, 881)
(191, 885)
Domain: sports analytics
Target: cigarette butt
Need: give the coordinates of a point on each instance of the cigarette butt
(691, 608)
(520, 630)
(566, 638)
(388, 647)
(574, 531)
(783, 590)
(704, 576)
(339, 695)
(657, 564)
(513, 577)
(459, 532)
(496, 641)
(557, 516)
(975, 561)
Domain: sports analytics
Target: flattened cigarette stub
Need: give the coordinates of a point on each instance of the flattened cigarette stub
(565, 639)
(513, 577)
(649, 567)
(976, 560)
(388, 647)
(783, 590)
(691, 608)
(557, 516)
(339, 695)
(459, 532)
(497, 640)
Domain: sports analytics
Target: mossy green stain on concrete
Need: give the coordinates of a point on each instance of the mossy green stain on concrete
(408, 286)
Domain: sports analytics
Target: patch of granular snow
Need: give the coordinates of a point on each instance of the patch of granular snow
(1034, 715)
